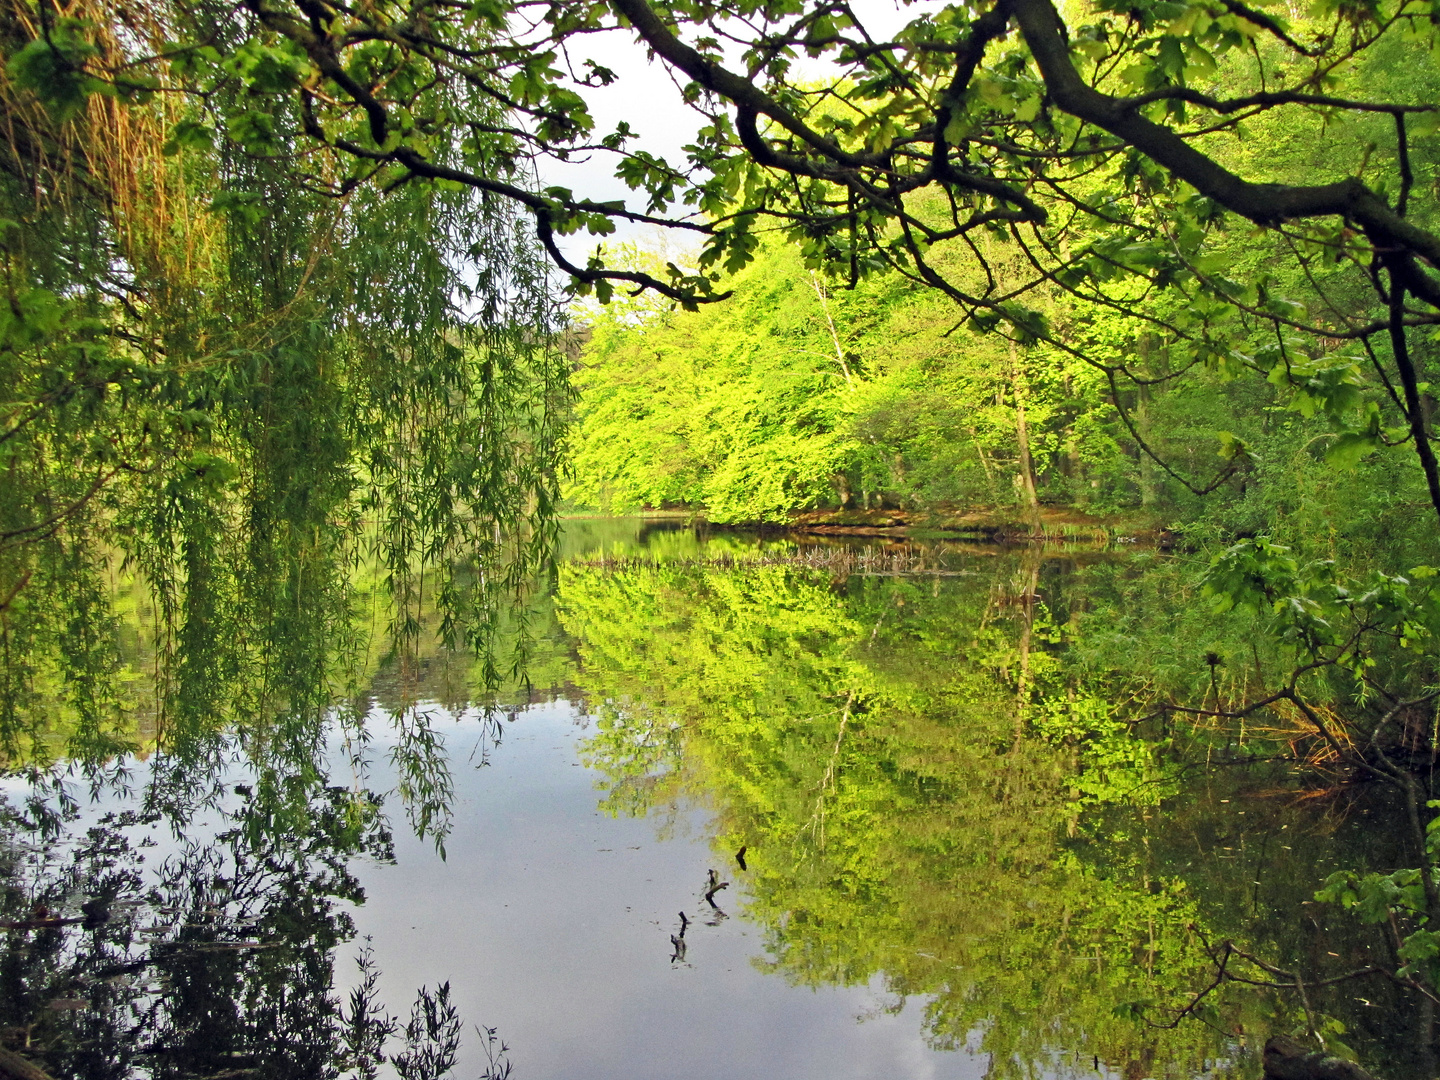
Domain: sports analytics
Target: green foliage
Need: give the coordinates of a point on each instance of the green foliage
(957, 156)
(235, 389)
(1148, 323)
(1382, 898)
(1397, 899)
(796, 394)
(934, 792)
(734, 407)
(53, 69)
(1350, 625)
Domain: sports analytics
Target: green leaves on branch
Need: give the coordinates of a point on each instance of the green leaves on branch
(52, 67)
(1328, 620)
(1396, 898)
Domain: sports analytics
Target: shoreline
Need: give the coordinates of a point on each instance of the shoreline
(992, 525)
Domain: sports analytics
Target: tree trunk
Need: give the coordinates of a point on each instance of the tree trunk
(1022, 438)
(1028, 599)
(823, 296)
(15, 1067)
(1286, 1059)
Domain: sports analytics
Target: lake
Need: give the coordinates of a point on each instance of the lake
(766, 807)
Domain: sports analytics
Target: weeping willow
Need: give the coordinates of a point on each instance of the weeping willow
(246, 399)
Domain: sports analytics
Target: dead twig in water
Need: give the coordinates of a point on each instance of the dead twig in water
(715, 885)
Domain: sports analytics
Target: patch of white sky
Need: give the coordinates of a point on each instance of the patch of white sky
(646, 96)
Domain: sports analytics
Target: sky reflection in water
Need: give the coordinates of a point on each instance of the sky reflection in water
(552, 922)
(1028, 890)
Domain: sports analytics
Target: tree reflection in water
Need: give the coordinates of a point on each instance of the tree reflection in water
(217, 962)
(250, 663)
(932, 789)
(924, 782)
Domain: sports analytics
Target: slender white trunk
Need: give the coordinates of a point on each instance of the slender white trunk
(823, 296)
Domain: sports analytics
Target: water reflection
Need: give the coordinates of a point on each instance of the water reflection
(847, 786)
(561, 919)
(930, 796)
(215, 958)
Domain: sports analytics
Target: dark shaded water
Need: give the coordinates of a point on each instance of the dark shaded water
(959, 861)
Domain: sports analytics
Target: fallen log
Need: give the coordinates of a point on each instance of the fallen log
(47, 922)
(1287, 1059)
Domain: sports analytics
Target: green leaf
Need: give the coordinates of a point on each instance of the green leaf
(188, 134)
(54, 70)
(1350, 448)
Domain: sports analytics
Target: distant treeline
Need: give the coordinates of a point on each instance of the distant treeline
(801, 393)
(797, 394)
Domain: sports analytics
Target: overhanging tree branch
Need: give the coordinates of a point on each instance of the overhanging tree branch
(1263, 204)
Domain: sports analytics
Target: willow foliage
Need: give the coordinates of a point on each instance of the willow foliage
(239, 385)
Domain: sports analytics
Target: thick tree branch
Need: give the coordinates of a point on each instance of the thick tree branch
(732, 87)
(1410, 385)
(1265, 22)
(1264, 204)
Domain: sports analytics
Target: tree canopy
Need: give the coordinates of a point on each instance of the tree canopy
(1110, 150)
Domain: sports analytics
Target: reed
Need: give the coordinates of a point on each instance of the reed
(891, 560)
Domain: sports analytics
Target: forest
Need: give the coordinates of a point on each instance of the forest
(796, 396)
(986, 455)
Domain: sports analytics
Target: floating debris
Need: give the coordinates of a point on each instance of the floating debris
(889, 560)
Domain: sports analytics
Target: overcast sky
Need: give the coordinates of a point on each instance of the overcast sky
(645, 96)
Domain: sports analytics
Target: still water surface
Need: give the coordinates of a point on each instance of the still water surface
(553, 922)
(956, 862)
